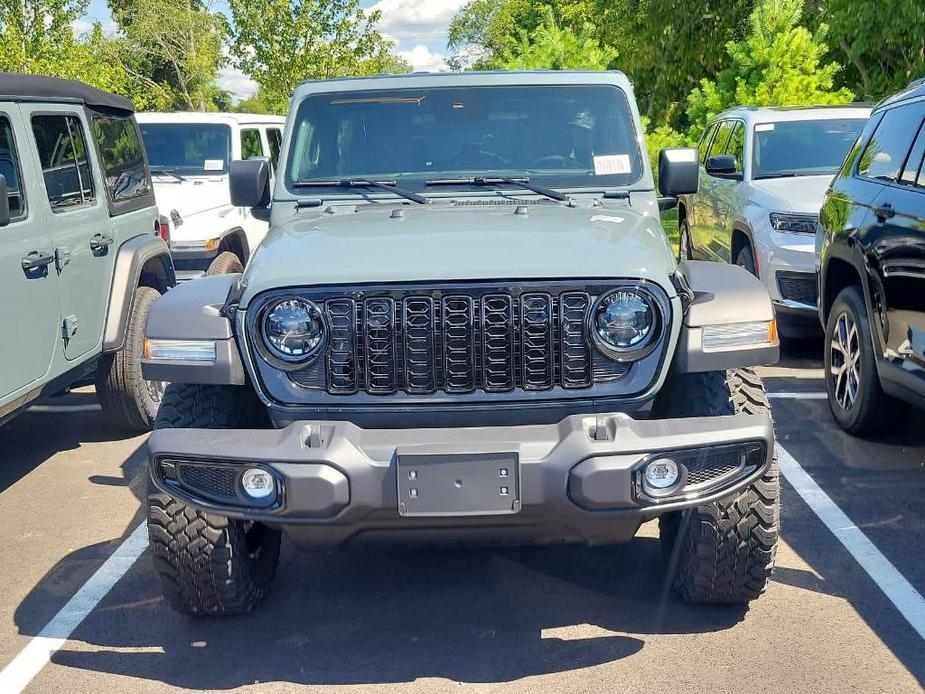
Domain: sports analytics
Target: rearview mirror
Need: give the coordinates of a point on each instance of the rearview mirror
(4, 202)
(677, 171)
(249, 182)
(722, 165)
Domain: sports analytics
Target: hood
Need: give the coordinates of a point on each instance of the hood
(354, 244)
(796, 194)
(193, 196)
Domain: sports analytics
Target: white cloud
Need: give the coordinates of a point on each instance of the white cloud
(419, 20)
(236, 82)
(421, 58)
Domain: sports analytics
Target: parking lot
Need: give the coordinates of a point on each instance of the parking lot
(565, 619)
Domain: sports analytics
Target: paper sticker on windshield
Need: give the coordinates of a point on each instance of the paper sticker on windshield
(213, 165)
(611, 164)
(762, 127)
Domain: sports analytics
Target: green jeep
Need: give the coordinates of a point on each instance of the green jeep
(466, 325)
(81, 261)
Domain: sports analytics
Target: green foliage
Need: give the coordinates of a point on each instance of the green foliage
(282, 42)
(778, 63)
(552, 47)
(660, 137)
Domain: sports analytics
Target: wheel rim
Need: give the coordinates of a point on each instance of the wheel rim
(845, 354)
(155, 390)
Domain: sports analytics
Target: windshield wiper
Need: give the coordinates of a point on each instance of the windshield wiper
(364, 183)
(495, 180)
(167, 172)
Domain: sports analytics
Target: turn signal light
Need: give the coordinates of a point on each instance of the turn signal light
(755, 333)
(179, 350)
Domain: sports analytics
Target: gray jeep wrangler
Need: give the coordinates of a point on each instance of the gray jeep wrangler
(80, 264)
(466, 325)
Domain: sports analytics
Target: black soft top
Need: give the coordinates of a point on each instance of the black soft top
(18, 87)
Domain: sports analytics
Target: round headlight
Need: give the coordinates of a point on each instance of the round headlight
(624, 322)
(294, 330)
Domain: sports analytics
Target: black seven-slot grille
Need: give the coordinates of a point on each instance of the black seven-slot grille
(383, 343)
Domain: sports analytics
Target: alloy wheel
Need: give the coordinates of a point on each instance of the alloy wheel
(845, 352)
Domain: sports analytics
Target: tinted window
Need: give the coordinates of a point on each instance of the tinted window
(121, 157)
(62, 149)
(722, 138)
(188, 149)
(705, 142)
(250, 144)
(275, 140)
(557, 135)
(911, 171)
(736, 144)
(9, 169)
(802, 148)
(886, 152)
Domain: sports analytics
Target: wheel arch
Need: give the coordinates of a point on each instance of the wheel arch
(741, 237)
(235, 240)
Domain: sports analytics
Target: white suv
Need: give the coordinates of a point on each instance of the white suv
(763, 177)
(189, 155)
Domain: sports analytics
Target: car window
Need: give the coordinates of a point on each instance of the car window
(913, 166)
(251, 146)
(722, 138)
(9, 168)
(275, 140)
(704, 145)
(62, 148)
(121, 157)
(886, 152)
(736, 144)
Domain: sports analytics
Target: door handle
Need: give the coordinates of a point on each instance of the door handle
(884, 212)
(100, 242)
(37, 259)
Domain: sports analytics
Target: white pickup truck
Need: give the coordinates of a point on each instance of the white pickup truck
(190, 154)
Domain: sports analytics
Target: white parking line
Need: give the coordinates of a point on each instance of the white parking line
(29, 662)
(798, 396)
(898, 590)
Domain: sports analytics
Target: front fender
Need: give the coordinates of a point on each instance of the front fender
(725, 297)
(194, 311)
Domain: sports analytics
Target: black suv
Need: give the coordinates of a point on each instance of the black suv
(872, 267)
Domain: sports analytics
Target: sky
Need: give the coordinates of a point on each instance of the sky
(417, 26)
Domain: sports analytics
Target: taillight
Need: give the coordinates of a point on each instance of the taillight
(164, 229)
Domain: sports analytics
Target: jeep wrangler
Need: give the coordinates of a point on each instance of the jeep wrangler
(80, 261)
(466, 325)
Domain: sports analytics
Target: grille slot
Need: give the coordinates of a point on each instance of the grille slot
(380, 345)
(458, 321)
(576, 355)
(420, 330)
(536, 342)
(497, 343)
(342, 352)
(798, 286)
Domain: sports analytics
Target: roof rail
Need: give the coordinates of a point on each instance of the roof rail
(916, 83)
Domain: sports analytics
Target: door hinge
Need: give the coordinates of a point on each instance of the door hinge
(69, 327)
(62, 257)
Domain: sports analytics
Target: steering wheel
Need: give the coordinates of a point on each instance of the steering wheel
(556, 161)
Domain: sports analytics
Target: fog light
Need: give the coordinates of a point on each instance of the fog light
(661, 474)
(257, 483)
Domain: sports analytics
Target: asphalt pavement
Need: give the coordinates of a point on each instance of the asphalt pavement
(840, 615)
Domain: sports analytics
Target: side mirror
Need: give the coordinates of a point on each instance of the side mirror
(4, 202)
(722, 165)
(677, 171)
(249, 182)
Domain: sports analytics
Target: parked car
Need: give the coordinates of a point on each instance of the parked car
(80, 260)
(466, 325)
(190, 154)
(763, 176)
(872, 268)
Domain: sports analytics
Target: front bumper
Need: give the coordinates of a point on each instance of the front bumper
(575, 481)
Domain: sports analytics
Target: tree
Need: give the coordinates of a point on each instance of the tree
(551, 47)
(281, 42)
(173, 49)
(778, 63)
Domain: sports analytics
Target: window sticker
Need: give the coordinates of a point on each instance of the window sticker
(606, 164)
(213, 165)
(763, 127)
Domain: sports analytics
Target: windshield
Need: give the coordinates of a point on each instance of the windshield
(803, 148)
(558, 136)
(187, 149)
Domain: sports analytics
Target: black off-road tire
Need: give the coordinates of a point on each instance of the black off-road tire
(209, 564)
(722, 552)
(685, 251)
(127, 399)
(225, 263)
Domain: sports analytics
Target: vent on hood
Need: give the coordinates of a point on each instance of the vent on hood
(502, 202)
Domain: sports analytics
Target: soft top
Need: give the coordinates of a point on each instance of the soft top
(15, 86)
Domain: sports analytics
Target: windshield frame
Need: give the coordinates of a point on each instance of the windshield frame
(566, 179)
(188, 171)
(755, 175)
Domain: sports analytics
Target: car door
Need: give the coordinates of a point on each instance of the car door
(893, 240)
(29, 318)
(727, 192)
(706, 233)
(252, 146)
(78, 220)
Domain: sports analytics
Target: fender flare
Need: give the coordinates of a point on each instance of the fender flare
(145, 257)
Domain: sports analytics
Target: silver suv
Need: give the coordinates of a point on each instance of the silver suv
(763, 177)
